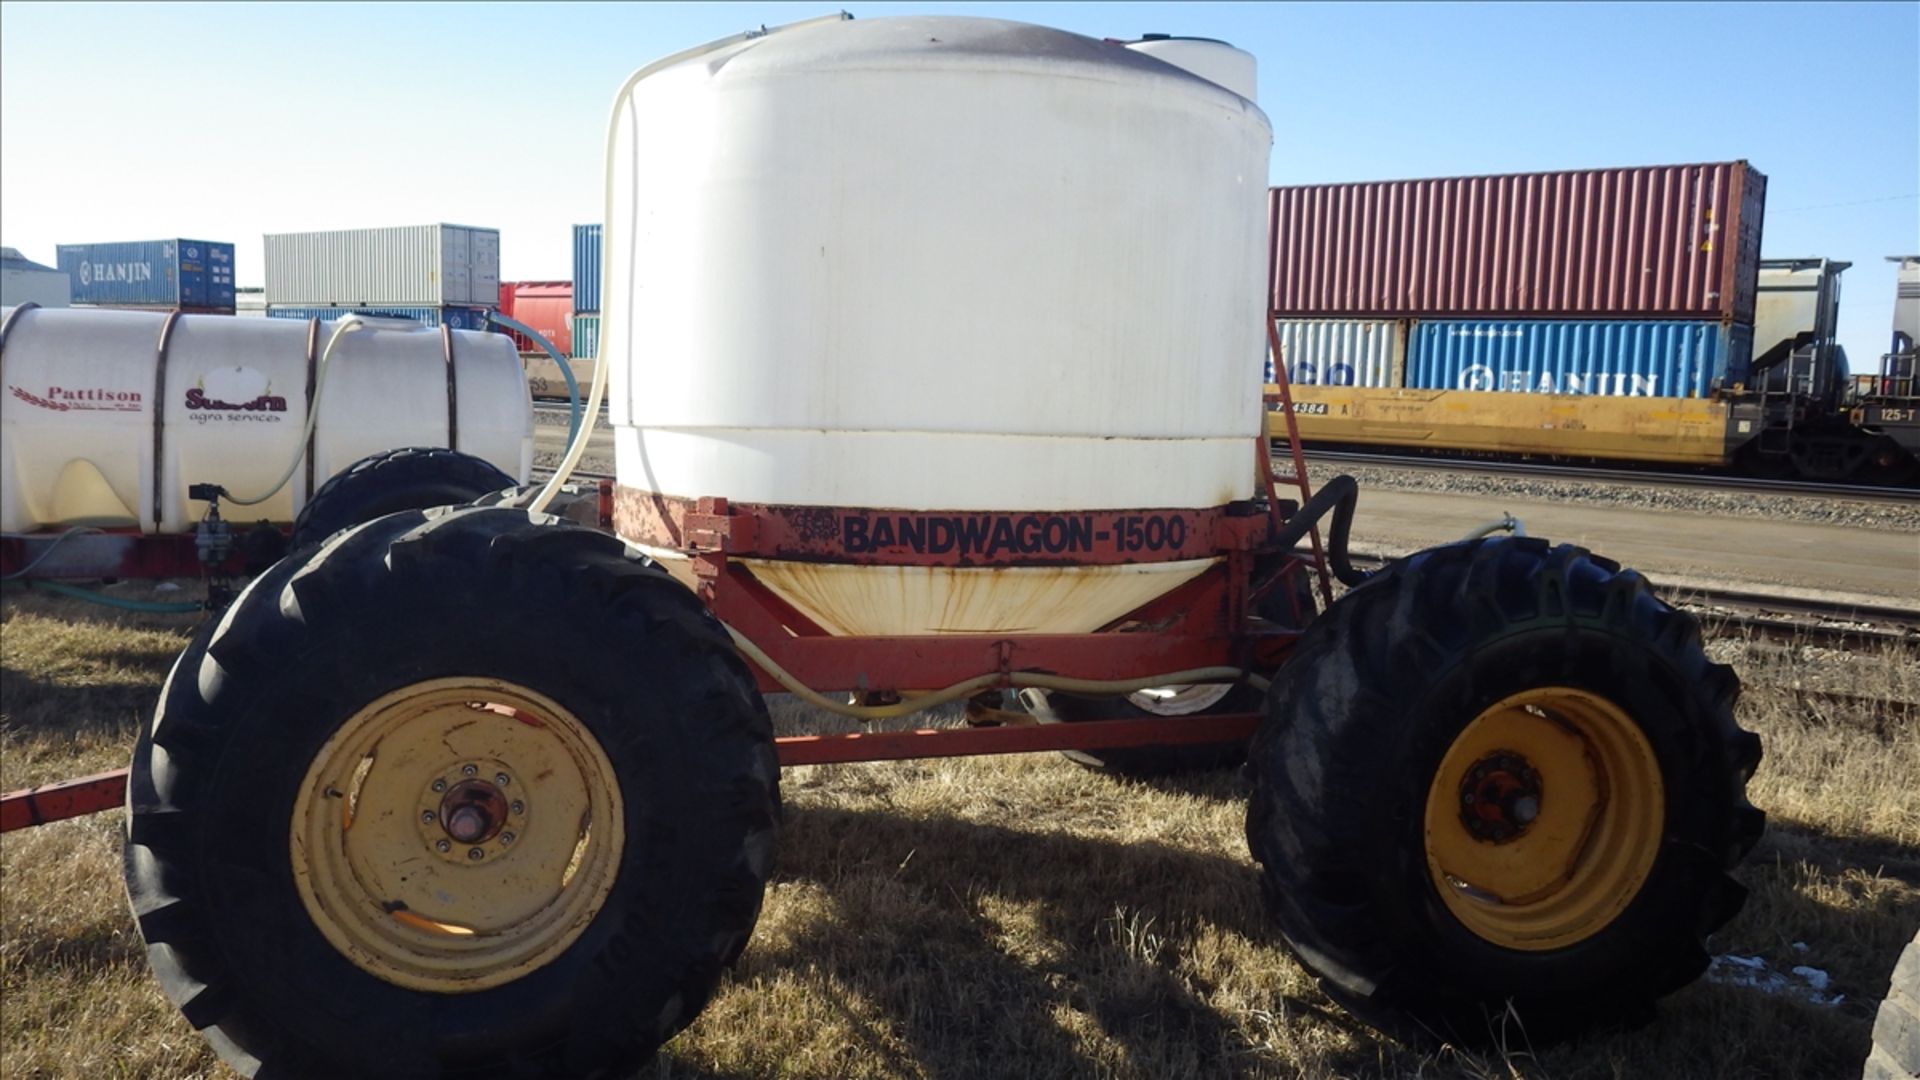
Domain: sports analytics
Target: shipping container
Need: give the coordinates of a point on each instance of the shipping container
(157, 274)
(459, 318)
(586, 337)
(546, 306)
(1342, 352)
(1672, 358)
(409, 266)
(586, 268)
(250, 303)
(1668, 242)
(23, 281)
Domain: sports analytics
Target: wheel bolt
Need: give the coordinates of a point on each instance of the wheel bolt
(469, 770)
(519, 807)
(442, 846)
(506, 838)
(426, 816)
(439, 785)
(500, 779)
(476, 854)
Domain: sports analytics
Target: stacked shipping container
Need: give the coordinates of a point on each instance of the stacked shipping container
(546, 306)
(438, 274)
(1634, 281)
(160, 275)
(586, 290)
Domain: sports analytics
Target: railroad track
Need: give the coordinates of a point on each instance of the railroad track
(1642, 477)
(1725, 610)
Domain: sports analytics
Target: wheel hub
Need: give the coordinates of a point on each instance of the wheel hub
(416, 847)
(1529, 872)
(1500, 797)
(471, 811)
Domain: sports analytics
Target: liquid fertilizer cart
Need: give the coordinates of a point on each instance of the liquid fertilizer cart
(934, 357)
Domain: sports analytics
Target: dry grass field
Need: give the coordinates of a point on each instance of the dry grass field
(1021, 917)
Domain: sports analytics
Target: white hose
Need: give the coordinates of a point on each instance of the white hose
(988, 681)
(340, 329)
(578, 447)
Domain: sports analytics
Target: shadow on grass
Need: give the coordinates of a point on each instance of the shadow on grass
(36, 708)
(998, 951)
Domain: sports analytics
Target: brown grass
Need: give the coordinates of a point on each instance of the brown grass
(1020, 916)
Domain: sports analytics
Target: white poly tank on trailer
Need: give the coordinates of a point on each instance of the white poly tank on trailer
(82, 442)
(949, 264)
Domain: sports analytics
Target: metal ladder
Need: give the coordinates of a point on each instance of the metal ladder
(1298, 477)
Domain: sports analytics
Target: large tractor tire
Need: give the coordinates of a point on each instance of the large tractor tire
(410, 478)
(462, 791)
(1497, 793)
(1896, 1028)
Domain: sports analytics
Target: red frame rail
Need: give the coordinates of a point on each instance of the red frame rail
(105, 791)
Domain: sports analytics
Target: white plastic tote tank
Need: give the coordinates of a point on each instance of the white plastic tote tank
(78, 417)
(940, 264)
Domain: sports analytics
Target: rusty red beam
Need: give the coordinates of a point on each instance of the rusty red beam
(106, 791)
(1022, 739)
(66, 799)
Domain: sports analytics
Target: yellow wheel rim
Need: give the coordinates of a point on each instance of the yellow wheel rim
(457, 834)
(1544, 818)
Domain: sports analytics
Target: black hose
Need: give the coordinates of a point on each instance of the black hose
(1339, 495)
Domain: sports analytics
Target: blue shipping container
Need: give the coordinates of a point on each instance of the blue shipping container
(151, 273)
(586, 336)
(460, 318)
(1632, 359)
(586, 268)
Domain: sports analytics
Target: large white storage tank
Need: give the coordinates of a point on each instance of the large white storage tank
(82, 441)
(939, 264)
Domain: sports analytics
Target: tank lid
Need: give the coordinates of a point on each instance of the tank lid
(931, 42)
(1178, 37)
(1211, 59)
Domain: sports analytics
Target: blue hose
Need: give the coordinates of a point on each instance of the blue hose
(566, 369)
(151, 607)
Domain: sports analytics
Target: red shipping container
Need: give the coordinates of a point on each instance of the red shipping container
(546, 306)
(1665, 241)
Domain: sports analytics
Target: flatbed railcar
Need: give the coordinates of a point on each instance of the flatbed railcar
(1795, 409)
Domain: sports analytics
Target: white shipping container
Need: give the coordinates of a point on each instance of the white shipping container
(430, 265)
(1343, 352)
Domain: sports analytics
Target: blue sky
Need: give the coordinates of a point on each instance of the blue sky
(226, 121)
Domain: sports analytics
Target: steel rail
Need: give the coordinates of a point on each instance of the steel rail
(1643, 477)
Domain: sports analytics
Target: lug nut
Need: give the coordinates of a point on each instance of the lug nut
(476, 854)
(426, 817)
(442, 846)
(439, 785)
(506, 838)
(519, 807)
(469, 770)
(500, 779)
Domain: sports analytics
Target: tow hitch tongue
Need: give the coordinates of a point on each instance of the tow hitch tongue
(1500, 797)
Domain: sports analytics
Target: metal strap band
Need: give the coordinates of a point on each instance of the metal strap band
(160, 409)
(453, 401)
(7, 327)
(313, 355)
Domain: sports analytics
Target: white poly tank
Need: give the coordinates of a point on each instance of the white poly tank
(78, 438)
(932, 263)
